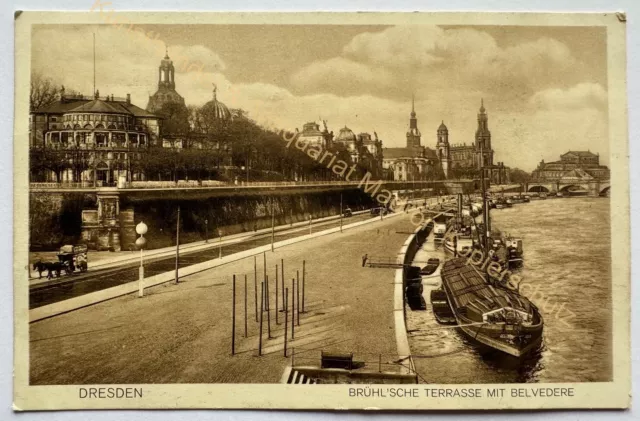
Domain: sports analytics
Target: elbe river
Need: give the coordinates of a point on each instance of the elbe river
(567, 274)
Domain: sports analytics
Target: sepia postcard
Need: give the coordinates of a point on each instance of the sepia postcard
(393, 211)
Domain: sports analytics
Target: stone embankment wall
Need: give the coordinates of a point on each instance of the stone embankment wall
(57, 218)
(405, 257)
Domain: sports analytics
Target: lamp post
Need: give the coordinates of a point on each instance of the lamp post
(141, 230)
(206, 230)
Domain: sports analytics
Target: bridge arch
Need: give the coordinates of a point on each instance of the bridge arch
(538, 189)
(571, 187)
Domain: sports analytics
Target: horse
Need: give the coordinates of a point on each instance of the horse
(50, 267)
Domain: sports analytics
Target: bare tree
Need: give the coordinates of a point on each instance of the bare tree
(43, 92)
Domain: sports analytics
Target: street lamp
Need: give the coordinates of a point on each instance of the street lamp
(141, 229)
(206, 230)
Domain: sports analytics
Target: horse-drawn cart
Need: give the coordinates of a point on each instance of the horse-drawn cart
(73, 257)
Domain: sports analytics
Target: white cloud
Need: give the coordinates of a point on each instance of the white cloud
(578, 97)
(534, 113)
(428, 58)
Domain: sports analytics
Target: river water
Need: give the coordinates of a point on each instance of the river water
(567, 274)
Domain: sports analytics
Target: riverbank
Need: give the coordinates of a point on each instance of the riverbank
(181, 333)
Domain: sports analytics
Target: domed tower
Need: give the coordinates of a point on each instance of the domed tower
(214, 113)
(347, 137)
(484, 153)
(442, 147)
(166, 92)
(413, 134)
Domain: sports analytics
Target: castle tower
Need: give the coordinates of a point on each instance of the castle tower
(442, 148)
(413, 134)
(484, 153)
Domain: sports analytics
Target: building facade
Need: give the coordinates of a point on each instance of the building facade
(98, 140)
(583, 163)
(312, 134)
(413, 162)
(466, 161)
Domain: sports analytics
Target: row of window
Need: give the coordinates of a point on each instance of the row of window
(82, 137)
(96, 117)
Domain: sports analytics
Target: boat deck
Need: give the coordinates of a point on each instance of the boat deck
(469, 288)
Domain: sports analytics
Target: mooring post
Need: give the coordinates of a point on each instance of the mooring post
(266, 282)
(282, 271)
(286, 316)
(264, 265)
(273, 226)
(293, 307)
(341, 213)
(245, 305)
(277, 311)
(177, 244)
(255, 284)
(298, 298)
(233, 318)
(304, 271)
(261, 311)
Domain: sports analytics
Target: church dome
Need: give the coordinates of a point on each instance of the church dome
(442, 127)
(346, 135)
(216, 108)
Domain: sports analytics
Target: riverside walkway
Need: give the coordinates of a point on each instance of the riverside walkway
(182, 333)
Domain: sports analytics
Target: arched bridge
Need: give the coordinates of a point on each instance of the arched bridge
(592, 187)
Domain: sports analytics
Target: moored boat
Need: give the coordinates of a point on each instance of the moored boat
(488, 313)
(432, 265)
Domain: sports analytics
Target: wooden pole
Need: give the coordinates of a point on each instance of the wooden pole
(282, 271)
(177, 244)
(273, 227)
(286, 316)
(264, 265)
(233, 318)
(245, 305)
(255, 285)
(304, 271)
(293, 307)
(277, 311)
(340, 216)
(268, 298)
(261, 311)
(298, 297)
(220, 245)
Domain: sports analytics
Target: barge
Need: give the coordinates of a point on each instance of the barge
(490, 314)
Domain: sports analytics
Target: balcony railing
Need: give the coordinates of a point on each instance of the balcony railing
(181, 184)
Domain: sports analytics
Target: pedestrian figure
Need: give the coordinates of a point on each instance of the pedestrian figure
(255, 227)
(364, 260)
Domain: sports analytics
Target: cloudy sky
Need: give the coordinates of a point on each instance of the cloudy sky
(545, 88)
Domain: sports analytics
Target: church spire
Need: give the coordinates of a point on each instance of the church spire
(413, 134)
(413, 106)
